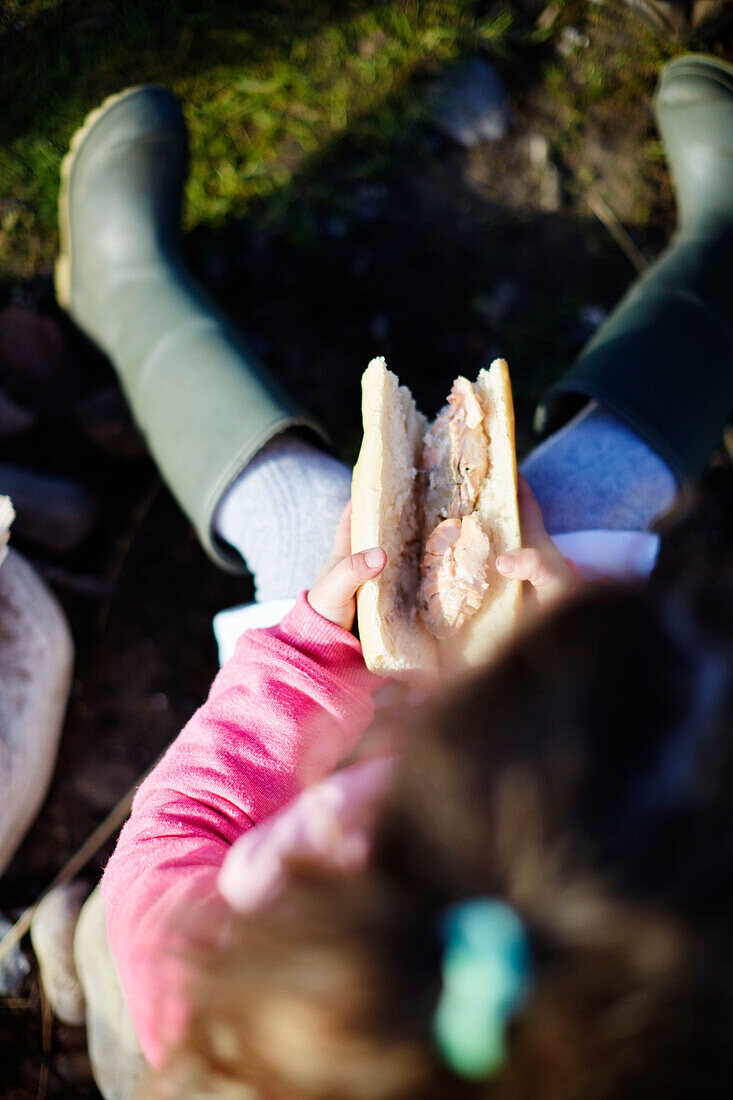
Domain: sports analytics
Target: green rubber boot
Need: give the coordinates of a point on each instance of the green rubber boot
(201, 397)
(663, 361)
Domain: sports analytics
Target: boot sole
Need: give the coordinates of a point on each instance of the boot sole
(701, 65)
(62, 268)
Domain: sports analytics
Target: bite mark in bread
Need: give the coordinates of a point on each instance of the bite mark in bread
(443, 497)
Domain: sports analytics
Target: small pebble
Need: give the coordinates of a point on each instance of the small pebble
(54, 513)
(548, 175)
(105, 421)
(539, 150)
(571, 40)
(14, 968)
(34, 363)
(380, 327)
(469, 103)
(15, 419)
(52, 936)
(36, 658)
(496, 305)
(592, 316)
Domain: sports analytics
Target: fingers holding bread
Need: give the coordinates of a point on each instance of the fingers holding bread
(333, 593)
(540, 563)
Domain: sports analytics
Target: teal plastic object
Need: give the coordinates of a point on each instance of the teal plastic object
(486, 980)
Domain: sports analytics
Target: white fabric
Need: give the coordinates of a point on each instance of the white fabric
(233, 621)
(614, 555)
(281, 514)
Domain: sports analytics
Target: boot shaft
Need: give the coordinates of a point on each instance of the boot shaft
(693, 106)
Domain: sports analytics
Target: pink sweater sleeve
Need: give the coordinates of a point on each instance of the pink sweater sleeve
(291, 703)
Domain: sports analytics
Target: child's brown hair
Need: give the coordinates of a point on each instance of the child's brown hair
(585, 780)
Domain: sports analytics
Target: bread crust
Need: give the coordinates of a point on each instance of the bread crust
(498, 514)
(383, 497)
(386, 513)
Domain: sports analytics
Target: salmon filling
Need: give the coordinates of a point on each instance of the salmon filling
(455, 562)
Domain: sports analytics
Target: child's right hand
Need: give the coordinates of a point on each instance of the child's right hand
(539, 562)
(333, 593)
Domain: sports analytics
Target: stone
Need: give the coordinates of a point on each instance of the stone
(469, 103)
(380, 327)
(53, 513)
(668, 17)
(15, 419)
(104, 420)
(592, 316)
(550, 193)
(14, 967)
(547, 174)
(371, 199)
(36, 659)
(52, 936)
(495, 306)
(704, 17)
(117, 1062)
(538, 148)
(33, 355)
(571, 40)
(586, 321)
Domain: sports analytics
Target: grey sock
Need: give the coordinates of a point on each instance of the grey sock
(596, 473)
(281, 514)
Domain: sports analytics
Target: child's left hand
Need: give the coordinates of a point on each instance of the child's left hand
(333, 593)
(540, 562)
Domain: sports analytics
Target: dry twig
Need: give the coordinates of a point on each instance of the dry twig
(607, 217)
(73, 866)
(46, 1024)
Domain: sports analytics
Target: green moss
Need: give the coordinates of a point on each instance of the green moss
(268, 86)
(288, 101)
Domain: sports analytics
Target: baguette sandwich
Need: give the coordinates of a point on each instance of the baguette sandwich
(441, 500)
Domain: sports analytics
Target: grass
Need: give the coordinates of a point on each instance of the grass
(597, 85)
(297, 108)
(268, 86)
(272, 87)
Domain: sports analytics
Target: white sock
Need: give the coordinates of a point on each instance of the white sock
(282, 512)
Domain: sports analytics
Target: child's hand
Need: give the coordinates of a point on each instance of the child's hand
(540, 563)
(333, 593)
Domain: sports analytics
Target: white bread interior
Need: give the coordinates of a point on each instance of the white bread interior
(383, 494)
(386, 514)
(498, 514)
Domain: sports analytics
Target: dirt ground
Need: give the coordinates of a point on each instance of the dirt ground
(446, 260)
